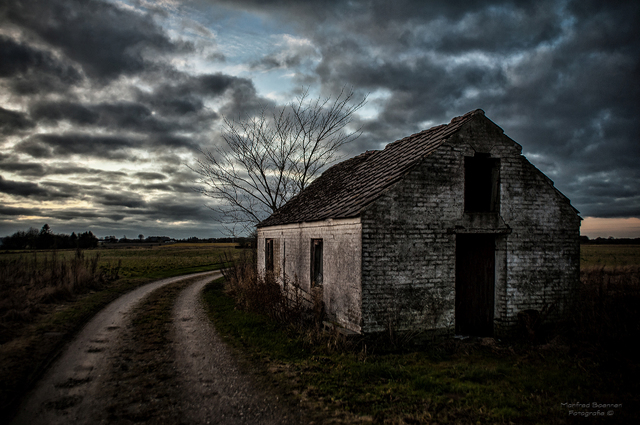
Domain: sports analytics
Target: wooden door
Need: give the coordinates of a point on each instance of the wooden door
(475, 284)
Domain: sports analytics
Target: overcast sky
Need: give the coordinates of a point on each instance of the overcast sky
(103, 104)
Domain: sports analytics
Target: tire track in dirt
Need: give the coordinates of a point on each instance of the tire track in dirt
(215, 390)
(72, 391)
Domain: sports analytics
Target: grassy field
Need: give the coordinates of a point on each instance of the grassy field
(46, 297)
(143, 261)
(609, 255)
(481, 381)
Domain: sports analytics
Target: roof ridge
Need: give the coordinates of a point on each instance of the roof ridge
(344, 189)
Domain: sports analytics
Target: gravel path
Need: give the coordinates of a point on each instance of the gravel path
(86, 386)
(218, 391)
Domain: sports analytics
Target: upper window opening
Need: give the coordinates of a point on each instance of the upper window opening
(481, 183)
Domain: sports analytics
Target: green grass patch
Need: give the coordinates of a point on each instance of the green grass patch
(454, 382)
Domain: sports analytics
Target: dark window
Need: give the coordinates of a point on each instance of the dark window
(316, 262)
(481, 184)
(268, 254)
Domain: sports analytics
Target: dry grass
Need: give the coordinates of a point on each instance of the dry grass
(283, 302)
(28, 282)
(608, 306)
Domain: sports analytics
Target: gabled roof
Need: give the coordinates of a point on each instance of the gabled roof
(345, 189)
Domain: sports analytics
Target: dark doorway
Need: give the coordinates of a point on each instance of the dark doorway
(316, 262)
(475, 284)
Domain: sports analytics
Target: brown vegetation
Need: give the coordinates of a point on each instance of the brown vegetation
(284, 303)
(30, 282)
(607, 306)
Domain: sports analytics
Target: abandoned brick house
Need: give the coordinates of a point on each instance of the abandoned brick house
(449, 230)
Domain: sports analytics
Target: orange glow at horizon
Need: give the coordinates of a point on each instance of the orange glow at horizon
(596, 227)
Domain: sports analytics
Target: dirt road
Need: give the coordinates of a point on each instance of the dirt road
(172, 371)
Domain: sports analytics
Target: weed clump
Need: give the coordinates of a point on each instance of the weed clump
(282, 300)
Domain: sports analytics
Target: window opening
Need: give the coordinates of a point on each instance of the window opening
(481, 183)
(268, 254)
(316, 262)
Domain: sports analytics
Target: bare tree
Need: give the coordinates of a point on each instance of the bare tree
(269, 158)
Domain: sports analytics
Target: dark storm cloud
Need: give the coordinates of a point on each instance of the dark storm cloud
(291, 56)
(30, 190)
(166, 208)
(244, 101)
(32, 70)
(61, 146)
(174, 142)
(150, 176)
(18, 211)
(132, 116)
(12, 122)
(105, 40)
(24, 189)
(130, 205)
(72, 112)
(24, 168)
(116, 116)
(122, 199)
(67, 169)
(188, 95)
(75, 214)
(497, 29)
(164, 187)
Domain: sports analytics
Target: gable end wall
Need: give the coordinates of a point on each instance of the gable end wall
(409, 239)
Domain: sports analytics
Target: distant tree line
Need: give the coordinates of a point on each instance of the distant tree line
(46, 239)
(243, 242)
(141, 239)
(610, 241)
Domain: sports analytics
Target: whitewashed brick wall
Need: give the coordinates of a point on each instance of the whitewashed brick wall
(341, 263)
